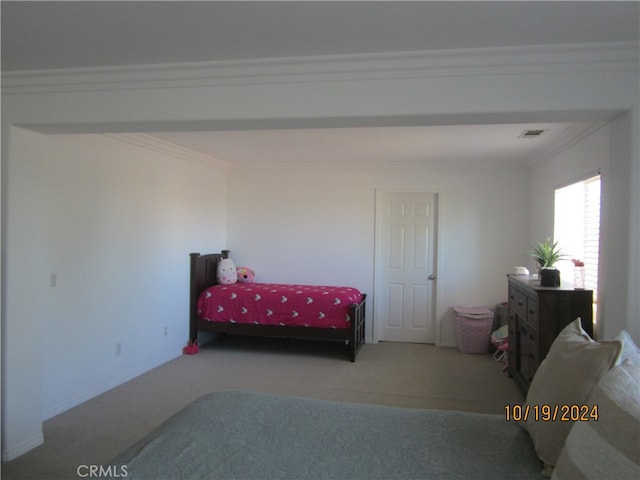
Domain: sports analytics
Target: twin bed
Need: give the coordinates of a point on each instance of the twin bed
(273, 310)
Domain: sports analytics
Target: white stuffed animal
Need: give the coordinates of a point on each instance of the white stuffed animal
(226, 273)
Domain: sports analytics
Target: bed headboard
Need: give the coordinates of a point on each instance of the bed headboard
(202, 275)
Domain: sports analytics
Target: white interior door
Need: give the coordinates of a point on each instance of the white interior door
(405, 267)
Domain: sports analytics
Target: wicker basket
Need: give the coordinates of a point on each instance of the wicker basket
(473, 328)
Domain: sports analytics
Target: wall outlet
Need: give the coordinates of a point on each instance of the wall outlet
(118, 348)
(166, 332)
(53, 280)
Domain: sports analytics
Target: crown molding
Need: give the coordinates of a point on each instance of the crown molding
(566, 140)
(150, 143)
(422, 166)
(415, 64)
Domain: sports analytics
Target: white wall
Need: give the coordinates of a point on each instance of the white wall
(319, 227)
(22, 303)
(114, 221)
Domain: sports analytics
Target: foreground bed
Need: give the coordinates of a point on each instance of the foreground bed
(236, 309)
(238, 435)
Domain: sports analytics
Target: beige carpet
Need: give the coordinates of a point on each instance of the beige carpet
(396, 374)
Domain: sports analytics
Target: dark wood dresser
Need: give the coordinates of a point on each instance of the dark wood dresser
(536, 316)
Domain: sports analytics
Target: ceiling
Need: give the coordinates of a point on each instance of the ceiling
(459, 145)
(52, 35)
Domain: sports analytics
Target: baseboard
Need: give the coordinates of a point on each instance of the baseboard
(14, 451)
(54, 410)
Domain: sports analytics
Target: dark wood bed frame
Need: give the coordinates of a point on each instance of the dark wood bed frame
(203, 275)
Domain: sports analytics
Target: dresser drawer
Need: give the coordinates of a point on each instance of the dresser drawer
(528, 352)
(529, 339)
(532, 313)
(518, 302)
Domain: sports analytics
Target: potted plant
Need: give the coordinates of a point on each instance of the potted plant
(547, 254)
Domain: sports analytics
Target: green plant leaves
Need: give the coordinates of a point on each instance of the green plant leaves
(546, 253)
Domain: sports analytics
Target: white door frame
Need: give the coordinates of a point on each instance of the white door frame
(377, 257)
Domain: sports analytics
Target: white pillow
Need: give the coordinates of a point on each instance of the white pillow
(630, 350)
(610, 446)
(566, 377)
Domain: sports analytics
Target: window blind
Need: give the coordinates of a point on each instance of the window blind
(577, 228)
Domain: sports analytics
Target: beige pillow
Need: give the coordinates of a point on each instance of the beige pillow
(566, 377)
(630, 350)
(610, 446)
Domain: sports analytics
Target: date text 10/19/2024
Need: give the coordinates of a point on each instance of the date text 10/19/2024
(551, 413)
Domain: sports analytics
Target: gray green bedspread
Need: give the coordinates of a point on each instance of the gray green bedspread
(239, 435)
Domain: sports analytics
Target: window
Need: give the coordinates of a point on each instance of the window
(577, 229)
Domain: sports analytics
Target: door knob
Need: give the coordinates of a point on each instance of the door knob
(431, 277)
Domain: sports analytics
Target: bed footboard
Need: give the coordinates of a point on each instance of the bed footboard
(357, 314)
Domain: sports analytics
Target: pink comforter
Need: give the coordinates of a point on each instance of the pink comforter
(277, 304)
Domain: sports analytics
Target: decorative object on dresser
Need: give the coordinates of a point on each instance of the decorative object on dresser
(579, 274)
(547, 254)
(537, 314)
(238, 315)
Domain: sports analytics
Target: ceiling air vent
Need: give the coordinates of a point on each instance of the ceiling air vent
(531, 133)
